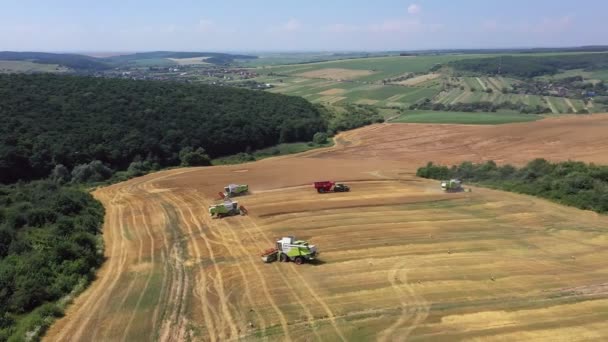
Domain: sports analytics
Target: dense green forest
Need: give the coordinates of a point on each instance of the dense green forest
(531, 66)
(577, 184)
(48, 246)
(50, 120)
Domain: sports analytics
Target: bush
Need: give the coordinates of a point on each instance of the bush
(190, 157)
(94, 171)
(60, 174)
(320, 138)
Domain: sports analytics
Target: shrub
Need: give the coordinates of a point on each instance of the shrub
(320, 138)
(190, 157)
(94, 171)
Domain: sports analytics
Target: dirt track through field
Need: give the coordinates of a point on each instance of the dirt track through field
(399, 258)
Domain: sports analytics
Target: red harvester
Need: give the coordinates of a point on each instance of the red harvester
(329, 186)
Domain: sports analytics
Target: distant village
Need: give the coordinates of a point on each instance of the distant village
(215, 75)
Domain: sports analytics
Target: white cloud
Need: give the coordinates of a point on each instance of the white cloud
(545, 25)
(414, 9)
(396, 25)
(490, 25)
(291, 25)
(553, 25)
(206, 25)
(341, 28)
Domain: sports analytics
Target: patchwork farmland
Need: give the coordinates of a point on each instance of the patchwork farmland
(399, 82)
(398, 258)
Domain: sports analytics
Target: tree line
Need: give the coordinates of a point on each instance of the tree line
(51, 120)
(576, 184)
(481, 106)
(531, 66)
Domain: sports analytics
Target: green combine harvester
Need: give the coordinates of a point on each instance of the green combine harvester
(452, 185)
(235, 190)
(290, 249)
(228, 208)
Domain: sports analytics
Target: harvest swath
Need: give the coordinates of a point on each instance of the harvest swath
(398, 257)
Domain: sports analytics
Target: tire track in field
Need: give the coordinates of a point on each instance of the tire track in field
(209, 314)
(117, 320)
(413, 307)
(118, 257)
(228, 320)
(313, 293)
(216, 281)
(164, 260)
(173, 326)
(255, 266)
(148, 230)
(104, 304)
(77, 323)
(228, 243)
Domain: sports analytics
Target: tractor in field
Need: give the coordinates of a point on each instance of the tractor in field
(452, 185)
(328, 186)
(290, 249)
(228, 208)
(233, 190)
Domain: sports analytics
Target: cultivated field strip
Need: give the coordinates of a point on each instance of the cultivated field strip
(399, 258)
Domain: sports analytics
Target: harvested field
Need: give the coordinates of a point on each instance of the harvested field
(189, 61)
(333, 91)
(336, 73)
(419, 79)
(399, 258)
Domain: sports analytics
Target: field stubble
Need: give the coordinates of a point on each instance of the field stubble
(399, 258)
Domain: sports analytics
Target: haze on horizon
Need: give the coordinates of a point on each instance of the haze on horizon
(239, 25)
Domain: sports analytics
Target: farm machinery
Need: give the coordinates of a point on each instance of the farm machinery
(452, 185)
(290, 249)
(328, 186)
(228, 208)
(233, 190)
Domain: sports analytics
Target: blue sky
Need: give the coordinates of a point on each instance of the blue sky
(273, 25)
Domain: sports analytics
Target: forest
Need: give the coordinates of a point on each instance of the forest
(531, 66)
(67, 121)
(576, 184)
(48, 247)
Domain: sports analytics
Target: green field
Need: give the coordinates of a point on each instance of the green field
(385, 83)
(28, 67)
(382, 67)
(465, 118)
(266, 59)
(320, 90)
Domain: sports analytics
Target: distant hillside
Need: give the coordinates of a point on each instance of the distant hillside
(72, 61)
(532, 66)
(212, 57)
(89, 63)
(50, 119)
